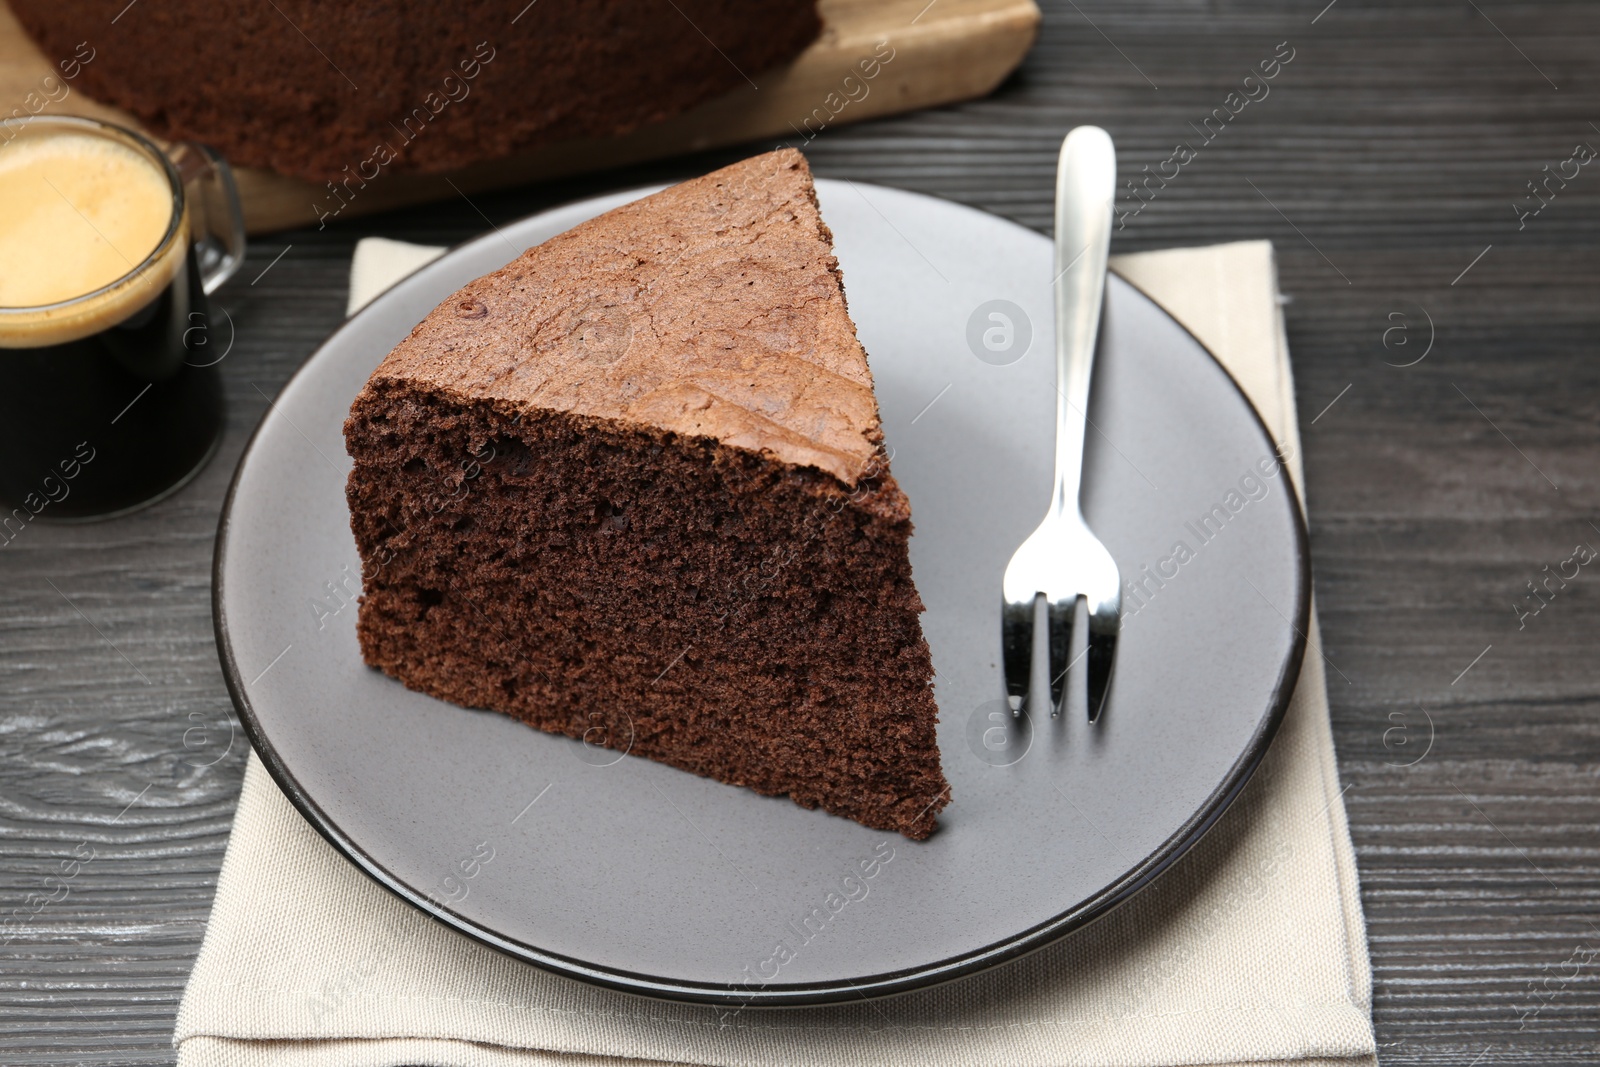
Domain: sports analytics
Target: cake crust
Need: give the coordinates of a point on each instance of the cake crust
(712, 309)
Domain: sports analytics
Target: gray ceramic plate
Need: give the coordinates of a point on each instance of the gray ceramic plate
(636, 876)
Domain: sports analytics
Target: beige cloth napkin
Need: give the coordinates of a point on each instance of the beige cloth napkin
(1251, 949)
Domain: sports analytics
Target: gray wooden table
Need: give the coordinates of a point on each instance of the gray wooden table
(1386, 161)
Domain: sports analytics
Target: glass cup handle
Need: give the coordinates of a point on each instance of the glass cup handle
(215, 218)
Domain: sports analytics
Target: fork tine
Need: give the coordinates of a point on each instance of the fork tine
(1016, 641)
(1104, 627)
(1063, 616)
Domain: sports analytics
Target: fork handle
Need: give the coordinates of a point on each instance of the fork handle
(1086, 180)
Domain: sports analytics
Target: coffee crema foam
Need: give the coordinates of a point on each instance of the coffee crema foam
(81, 212)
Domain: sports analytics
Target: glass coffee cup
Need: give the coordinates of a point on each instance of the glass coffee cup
(110, 396)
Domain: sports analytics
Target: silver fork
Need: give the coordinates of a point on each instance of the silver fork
(1062, 561)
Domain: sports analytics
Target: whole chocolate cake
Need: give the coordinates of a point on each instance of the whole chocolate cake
(341, 90)
(631, 488)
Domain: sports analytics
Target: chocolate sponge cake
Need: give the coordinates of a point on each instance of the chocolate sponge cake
(632, 488)
(343, 90)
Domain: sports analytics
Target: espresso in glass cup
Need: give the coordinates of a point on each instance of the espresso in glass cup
(110, 396)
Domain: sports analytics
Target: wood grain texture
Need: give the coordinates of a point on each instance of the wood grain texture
(932, 54)
(1386, 157)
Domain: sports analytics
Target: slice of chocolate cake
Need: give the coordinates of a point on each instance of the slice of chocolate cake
(632, 488)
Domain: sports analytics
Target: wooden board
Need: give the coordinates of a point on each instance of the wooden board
(942, 52)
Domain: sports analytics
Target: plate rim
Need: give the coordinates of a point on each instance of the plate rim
(801, 994)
